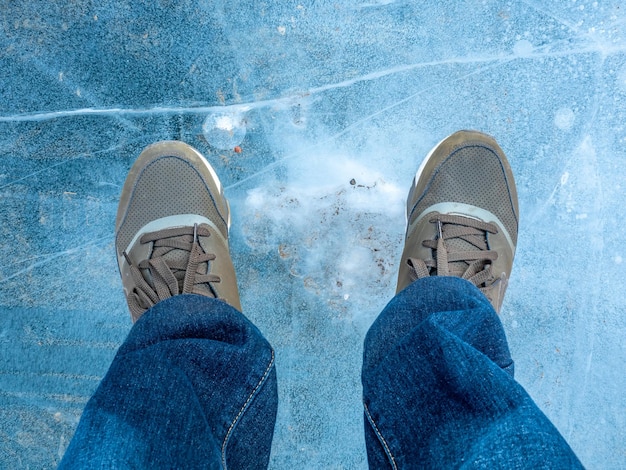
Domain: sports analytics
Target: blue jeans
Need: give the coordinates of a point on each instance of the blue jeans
(194, 385)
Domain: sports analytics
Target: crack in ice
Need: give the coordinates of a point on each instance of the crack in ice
(287, 100)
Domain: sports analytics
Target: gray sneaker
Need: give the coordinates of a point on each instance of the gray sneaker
(171, 231)
(462, 216)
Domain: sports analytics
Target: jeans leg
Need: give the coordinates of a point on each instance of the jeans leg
(193, 386)
(438, 387)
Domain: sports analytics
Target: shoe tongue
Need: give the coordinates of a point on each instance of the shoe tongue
(176, 256)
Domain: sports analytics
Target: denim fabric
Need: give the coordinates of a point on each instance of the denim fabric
(438, 387)
(193, 386)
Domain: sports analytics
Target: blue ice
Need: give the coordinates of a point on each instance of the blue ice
(333, 106)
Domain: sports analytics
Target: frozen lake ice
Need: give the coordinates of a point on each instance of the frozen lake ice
(332, 106)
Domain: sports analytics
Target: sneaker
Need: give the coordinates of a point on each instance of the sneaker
(462, 216)
(171, 231)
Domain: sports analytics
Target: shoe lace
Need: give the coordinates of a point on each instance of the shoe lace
(461, 249)
(177, 265)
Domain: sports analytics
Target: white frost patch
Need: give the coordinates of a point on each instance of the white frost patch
(523, 48)
(564, 119)
(324, 188)
(337, 224)
(617, 259)
(353, 259)
(368, 190)
(225, 123)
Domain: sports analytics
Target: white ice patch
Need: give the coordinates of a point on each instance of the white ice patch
(338, 224)
(368, 189)
(523, 48)
(338, 186)
(564, 119)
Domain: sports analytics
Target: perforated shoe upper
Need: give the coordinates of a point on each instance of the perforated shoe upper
(462, 215)
(172, 229)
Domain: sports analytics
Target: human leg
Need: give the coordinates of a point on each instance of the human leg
(194, 384)
(437, 375)
(439, 391)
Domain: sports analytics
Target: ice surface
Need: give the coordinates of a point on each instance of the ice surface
(339, 102)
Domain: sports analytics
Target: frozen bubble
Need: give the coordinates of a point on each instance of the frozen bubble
(224, 130)
(523, 48)
(564, 119)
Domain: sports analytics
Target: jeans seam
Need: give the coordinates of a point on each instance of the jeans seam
(382, 440)
(244, 407)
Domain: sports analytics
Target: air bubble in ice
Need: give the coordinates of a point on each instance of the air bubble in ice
(523, 48)
(564, 119)
(224, 130)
